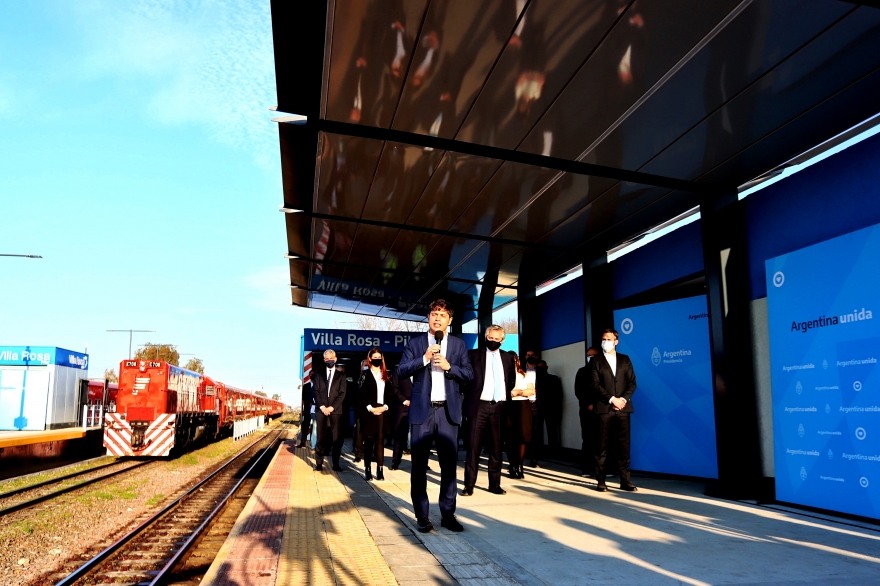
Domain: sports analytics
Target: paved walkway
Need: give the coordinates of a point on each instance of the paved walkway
(550, 528)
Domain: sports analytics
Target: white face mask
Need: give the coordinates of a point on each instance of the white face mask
(607, 345)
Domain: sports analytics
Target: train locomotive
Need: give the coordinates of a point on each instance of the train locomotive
(160, 407)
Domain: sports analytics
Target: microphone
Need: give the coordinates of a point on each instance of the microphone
(438, 337)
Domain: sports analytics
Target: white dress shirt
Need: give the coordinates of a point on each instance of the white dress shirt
(612, 362)
(488, 393)
(522, 383)
(438, 378)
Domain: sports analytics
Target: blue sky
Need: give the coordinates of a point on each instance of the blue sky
(138, 158)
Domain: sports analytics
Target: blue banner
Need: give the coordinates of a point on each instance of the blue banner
(673, 426)
(363, 340)
(824, 347)
(42, 356)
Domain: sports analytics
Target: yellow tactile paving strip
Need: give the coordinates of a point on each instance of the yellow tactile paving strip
(325, 539)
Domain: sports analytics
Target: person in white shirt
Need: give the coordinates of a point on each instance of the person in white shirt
(520, 418)
(375, 393)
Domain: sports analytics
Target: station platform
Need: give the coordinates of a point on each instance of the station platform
(307, 527)
(11, 439)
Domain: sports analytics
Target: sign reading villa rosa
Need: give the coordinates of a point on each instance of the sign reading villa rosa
(673, 427)
(824, 347)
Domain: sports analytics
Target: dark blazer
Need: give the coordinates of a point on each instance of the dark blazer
(368, 398)
(332, 397)
(474, 388)
(402, 388)
(307, 396)
(412, 365)
(548, 387)
(583, 387)
(606, 385)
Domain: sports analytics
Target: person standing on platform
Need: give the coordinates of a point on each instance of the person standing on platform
(438, 365)
(357, 436)
(484, 401)
(374, 398)
(551, 406)
(520, 418)
(402, 391)
(614, 382)
(583, 390)
(306, 413)
(536, 443)
(329, 395)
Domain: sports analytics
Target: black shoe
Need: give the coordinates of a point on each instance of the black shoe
(467, 492)
(337, 468)
(513, 472)
(424, 525)
(601, 488)
(357, 459)
(520, 472)
(533, 463)
(629, 487)
(394, 467)
(497, 490)
(379, 474)
(407, 452)
(451, 523)
(368, 474)
(319, 467)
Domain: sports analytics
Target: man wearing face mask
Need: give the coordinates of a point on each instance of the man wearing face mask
(329, 388)
(484, 401)
(583, 390)
(614, 382)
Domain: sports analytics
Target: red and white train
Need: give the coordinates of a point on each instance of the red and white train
(160, 406)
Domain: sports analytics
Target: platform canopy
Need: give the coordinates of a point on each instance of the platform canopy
(468, 149)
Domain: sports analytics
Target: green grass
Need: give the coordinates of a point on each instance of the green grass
(155, 500)
(15, 484)
(127, 492)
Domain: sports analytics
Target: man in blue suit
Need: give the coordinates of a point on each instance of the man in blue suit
(438, 364)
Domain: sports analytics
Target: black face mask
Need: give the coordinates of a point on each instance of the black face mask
(330, 363)
(493, 345)
(376, 361)
(532, 360)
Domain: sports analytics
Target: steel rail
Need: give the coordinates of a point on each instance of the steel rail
(191, 540)
(35, 501)
(10, 493)
(122, 541)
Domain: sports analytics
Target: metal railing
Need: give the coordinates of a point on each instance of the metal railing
(245, 427)
(92, 416)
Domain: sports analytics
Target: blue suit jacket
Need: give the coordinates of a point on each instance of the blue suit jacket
(412, 365)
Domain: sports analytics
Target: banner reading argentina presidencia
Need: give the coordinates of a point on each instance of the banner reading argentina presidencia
(824, 346)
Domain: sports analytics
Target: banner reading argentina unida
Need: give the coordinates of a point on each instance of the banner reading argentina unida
(823, 304)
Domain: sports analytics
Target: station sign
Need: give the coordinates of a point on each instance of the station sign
(42, 356)
(363, 340)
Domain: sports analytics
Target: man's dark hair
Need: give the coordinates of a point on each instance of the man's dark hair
(439, 304)
(610, 331)
(541, 364)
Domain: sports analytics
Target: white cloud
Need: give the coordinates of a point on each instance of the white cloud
(208, 62)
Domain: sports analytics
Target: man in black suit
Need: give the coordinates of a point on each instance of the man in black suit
(306, 417)
(485, 397)
(583, 390)
(402, 391)
(551, 406)
(614, 382)
(329, 395)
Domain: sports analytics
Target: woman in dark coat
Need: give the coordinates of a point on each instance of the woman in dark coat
(375, 395)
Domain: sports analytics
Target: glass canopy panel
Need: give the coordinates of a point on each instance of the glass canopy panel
(401, 177)
(648, 40)
(372, 44)
(549, 45)
(331, 240)
(837, 58)
(459, 43)
(371, 247)
(758, 40)
(485, 258)
(346, 172)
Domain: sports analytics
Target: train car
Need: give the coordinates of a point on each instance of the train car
(96, 394)
(160, 406)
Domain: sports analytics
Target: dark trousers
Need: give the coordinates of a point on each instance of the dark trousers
(606, 421)
(437, 428)
(329, 431)
(589, 433)
(374, 443)
(537, 442)
(554, 433)
(357, 439)
(304, 425)
(399, 433)
(486, 423)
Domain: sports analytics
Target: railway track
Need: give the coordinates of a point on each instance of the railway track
(28, 503)
(159, 550)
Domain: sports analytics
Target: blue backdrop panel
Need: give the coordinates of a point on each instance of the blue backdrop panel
(673, 427)
(824, 347)
(562, 315)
